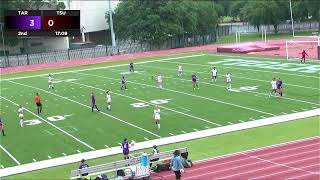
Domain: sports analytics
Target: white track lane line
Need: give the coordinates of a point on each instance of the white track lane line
(73, 137)
(113, 117)
(299, 177)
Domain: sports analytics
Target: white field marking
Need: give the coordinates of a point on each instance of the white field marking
(207, 127)
(47, 131)
(10, 155)
(106, 146)
(314, 107)
(230, 123)
(78, 151)
(257, 93)
(103, 67)
(34, 160)
(120, 144)
(193, 95)
(49, 157)
(73, 137)
(299, 177)
(195, 129)
(284, 113)
(252, 119)
(263, 117)
(294, 111)
(241, 121)
(2, 166)
(185, 109)
(255, 170)
(171, 134)
(113, 117)
(68, 115)
(247, 69)
(304, 109)
(64, 154)
(146, 139)
(272, 174)
(149, 103)
(184, 132)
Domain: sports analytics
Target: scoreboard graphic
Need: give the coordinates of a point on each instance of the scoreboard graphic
(42, 22)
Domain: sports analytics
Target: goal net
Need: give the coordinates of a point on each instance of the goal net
(294, 48)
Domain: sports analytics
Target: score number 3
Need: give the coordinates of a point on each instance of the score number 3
(31, 22)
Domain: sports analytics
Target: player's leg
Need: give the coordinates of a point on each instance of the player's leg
(92, 107)
(40, 107)
(215, 79)
(96, 107)
(109, 106)
(21, 122)
(2, 130)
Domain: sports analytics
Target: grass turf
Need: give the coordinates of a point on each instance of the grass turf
(183, 109)
(208, 147)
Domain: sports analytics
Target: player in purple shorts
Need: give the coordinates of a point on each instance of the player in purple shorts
(194, 79)
(93, 101)
(83, 165)
(123, 83)
(279, 86)
(125, 148)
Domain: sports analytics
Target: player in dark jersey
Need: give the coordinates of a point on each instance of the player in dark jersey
(279, 86)
(131, 69)
(123, 83)
(93, 102)
(304, 54)
(83, 165)
(2, 126)
(37, 100)
(125, 148)
(194, 79)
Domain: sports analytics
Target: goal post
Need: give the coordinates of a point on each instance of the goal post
(295, 47)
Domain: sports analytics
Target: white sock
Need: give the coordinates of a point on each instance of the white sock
(158, 126)
(109, 106)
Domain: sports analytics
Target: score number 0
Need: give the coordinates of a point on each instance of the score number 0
(50, 23)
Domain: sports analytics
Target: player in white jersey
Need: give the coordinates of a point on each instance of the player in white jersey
(214, 74)
(159, 80)
(21, 115)
(156, 116)
(180, 70)
(228, 80)
(50, 82)
(108, 97)
(273, 87)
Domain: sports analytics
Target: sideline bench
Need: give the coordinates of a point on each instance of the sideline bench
(113, 167)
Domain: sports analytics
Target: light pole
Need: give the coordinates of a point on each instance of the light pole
(113, 38)
(292, 26)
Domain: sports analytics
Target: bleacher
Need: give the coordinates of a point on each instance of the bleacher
(130, 166)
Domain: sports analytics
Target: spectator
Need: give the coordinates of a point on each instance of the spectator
(83, 165)
(155, 151)
(176, 164)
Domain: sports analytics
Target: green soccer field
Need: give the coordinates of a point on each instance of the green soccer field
(67, 125)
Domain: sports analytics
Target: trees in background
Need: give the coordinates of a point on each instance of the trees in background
(155, 21)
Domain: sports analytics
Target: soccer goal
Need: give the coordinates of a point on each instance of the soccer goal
(294, 48)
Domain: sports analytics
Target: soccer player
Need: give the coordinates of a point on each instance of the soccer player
(228, 81)
(21, 115)
(273, 87)
(180, 70)
(123, 83)
(83, 165)
(304, 54)
(194, 79)
(156, 116)
(279, 87)
(214, 73)
(37, 100)
(93, 102)
(131, 69)
(125, 148)
(50, 82)
(2, 125)
(108, 96)
(159, 80)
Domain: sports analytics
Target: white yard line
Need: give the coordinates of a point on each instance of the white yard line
(181, 92)
(179, 112)
(103, 67)
(299, 177)
(258, 94)
(113, 117)
(235, 75)
(68, 134)
(10, 155)
(163, 141)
